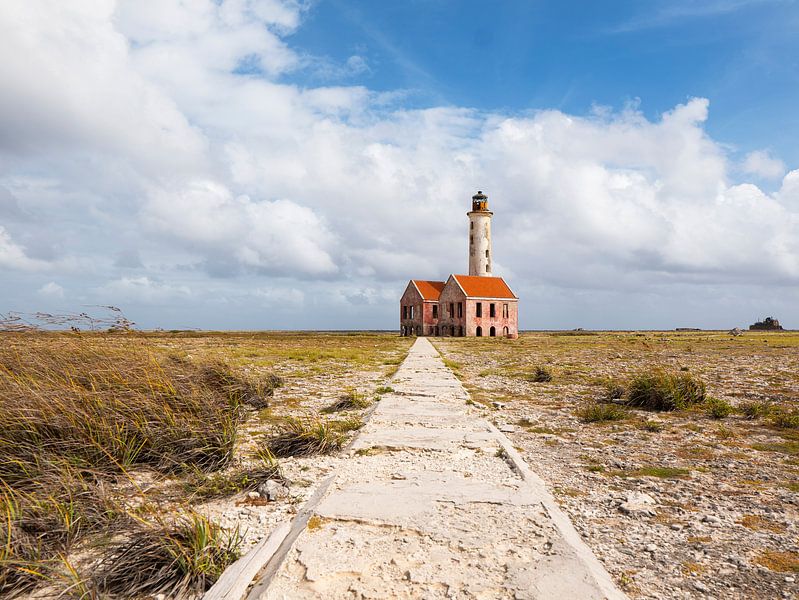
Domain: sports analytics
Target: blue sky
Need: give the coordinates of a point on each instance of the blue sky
(258, 164)
(523, 55)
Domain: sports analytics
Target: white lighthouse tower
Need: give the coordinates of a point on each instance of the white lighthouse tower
(480, 257)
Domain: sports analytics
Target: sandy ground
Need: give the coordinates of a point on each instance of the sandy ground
(719, 519)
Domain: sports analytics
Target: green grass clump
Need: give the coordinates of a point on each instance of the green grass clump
(718, 408)
(204, 486)
(614, 391)
(384, 389)
(755, 410)
(660, 472)
(651, 426)
(351, 400)
(662, 391)
(596, 412)
(299, 437)
(784, 419)
(183, 558)
(541, 375)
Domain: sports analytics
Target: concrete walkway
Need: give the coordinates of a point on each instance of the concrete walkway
(434, 503)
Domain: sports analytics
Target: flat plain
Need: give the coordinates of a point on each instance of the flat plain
(150, 461)
(699, 502)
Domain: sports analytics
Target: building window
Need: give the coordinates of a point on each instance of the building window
(471, 240)
(478, 309)
(492, 332)
(451, 309)
(492, 311)
(471, 224)
(486, 253)
(505, 331)
(486, 267)
(410, 312)
(404, 312)
(479, 332)
(460, 309)
(435, 311)
(461, 330)
(505, 311)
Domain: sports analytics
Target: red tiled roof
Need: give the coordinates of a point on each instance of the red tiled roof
(430, 290)
(484, 287)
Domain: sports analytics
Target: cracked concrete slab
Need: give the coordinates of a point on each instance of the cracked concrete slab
(433, 502)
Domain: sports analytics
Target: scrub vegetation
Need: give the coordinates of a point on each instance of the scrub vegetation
(706, 423)
(111, 442)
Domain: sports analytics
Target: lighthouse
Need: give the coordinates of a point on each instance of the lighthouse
(473, 305)
(480, 257)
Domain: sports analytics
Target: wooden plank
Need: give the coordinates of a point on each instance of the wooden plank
(237, 577)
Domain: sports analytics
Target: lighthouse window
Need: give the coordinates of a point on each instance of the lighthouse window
(479, 309)
(471, 225)
(492, 311)
(460, 309)
(486, 253)
(435, 312)
(404, 312)
(451, 309)
(471, 239)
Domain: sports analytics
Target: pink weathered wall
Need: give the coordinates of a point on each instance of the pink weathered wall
(473, 321)
(451, 293)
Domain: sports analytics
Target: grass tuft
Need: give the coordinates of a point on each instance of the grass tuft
(184, 558)
(784, 419)
(299, 437)
(662, 391)
(351, 400)
(540, 375)
(718, 408)
(596, 412)
(755, 409)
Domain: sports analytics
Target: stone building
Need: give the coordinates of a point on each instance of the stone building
(476, 304)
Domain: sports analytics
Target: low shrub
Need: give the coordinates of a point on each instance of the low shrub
(596, 412)
(541, 375)
(662, 391)
(718, 408)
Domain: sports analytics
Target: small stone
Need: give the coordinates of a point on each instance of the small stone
(638, 504)
(701, 586)
(712, 519)
(398, 476)
(676, 527)
(272, 490)
(498, 405)
(507, 428)
(790, 579)
(253, 495)
(651, 548)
